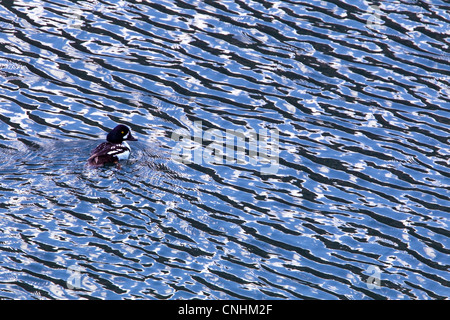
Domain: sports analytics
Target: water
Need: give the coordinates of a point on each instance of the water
(287, 150)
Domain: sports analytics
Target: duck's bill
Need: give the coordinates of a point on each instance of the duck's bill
(130, 137)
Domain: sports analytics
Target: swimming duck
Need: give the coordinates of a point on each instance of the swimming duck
(114, 149)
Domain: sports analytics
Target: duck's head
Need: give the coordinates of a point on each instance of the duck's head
(119, 134)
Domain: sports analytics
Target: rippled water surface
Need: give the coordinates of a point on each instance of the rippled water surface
(287, 149)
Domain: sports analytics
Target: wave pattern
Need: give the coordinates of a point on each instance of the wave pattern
(356, 203)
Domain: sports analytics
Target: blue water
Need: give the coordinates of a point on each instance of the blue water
(287, 150)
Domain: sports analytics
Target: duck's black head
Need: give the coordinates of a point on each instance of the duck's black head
(119, 134)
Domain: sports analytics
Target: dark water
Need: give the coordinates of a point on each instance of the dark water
(287, 149)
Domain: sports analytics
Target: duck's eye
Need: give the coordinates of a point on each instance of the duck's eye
(122, 132)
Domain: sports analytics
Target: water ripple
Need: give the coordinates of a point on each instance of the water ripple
(336, 185)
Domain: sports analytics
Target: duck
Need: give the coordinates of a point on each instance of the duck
(114, 149)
